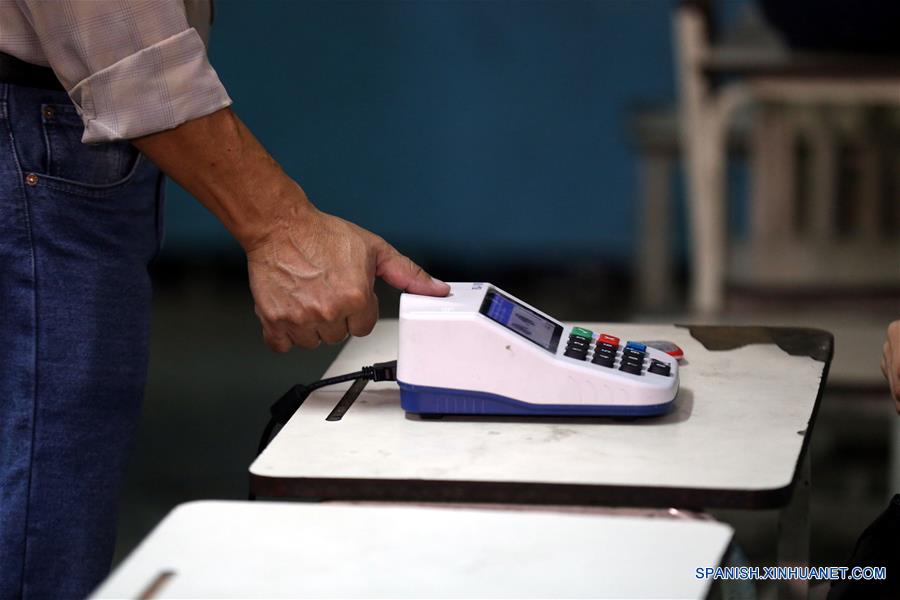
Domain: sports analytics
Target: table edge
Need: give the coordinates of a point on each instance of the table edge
(527, 493)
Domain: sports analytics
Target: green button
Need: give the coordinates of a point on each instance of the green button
(585, 333)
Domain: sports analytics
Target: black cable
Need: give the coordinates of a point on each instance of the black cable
(285, 407)
(338, 379)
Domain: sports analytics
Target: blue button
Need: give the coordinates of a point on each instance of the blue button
(637, 346)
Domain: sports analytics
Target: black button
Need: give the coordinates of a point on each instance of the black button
(576, 353)
(604, 360)
(659, 368)
(631, 367)
(635, 354)
(579, 342)
(605, 353)
(607, 346)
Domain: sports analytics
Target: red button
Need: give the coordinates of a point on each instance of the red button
(609, 339)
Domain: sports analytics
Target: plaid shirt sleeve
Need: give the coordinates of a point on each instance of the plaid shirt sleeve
(131, 67)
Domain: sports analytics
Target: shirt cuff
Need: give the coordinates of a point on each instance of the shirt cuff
(156, 88)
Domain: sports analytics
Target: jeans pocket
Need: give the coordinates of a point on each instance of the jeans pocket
(94, 168)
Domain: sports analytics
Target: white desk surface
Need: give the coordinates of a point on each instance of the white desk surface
(858, 337)
(217, 549)
(734, 439)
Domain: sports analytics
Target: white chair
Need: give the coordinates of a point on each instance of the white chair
(816, 100)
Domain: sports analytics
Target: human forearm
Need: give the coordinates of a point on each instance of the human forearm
(219, 161)
(311, 273)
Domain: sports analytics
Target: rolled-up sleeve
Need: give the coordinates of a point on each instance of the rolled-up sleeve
(131, 67)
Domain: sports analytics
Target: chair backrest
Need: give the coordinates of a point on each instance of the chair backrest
(825, 192)
(824, 208)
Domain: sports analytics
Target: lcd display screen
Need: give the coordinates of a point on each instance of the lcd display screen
(524, 321)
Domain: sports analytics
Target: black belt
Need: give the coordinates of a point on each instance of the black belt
(19, 72)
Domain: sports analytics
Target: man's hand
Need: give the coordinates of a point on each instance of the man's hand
(890, 361)
(311, 274)
(312, 280)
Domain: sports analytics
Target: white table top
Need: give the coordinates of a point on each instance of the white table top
(858, 337)
(734, 438)
(218, 549)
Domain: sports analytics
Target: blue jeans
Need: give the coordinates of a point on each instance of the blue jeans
(78, 226)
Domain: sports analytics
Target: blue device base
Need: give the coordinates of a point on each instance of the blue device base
(420, 399)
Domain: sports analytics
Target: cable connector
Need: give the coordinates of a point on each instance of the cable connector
(386, 371)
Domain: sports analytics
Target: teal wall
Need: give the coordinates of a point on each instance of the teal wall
(473, 131)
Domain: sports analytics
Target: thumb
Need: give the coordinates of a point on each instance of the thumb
(402, 273)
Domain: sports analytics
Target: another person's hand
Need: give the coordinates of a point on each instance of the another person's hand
(312, 279)
(890, 361)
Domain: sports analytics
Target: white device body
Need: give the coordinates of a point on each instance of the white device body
(447, 343)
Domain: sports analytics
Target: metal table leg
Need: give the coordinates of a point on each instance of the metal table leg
(793, 534)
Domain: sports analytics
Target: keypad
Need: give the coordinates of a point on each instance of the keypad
(604, 350)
